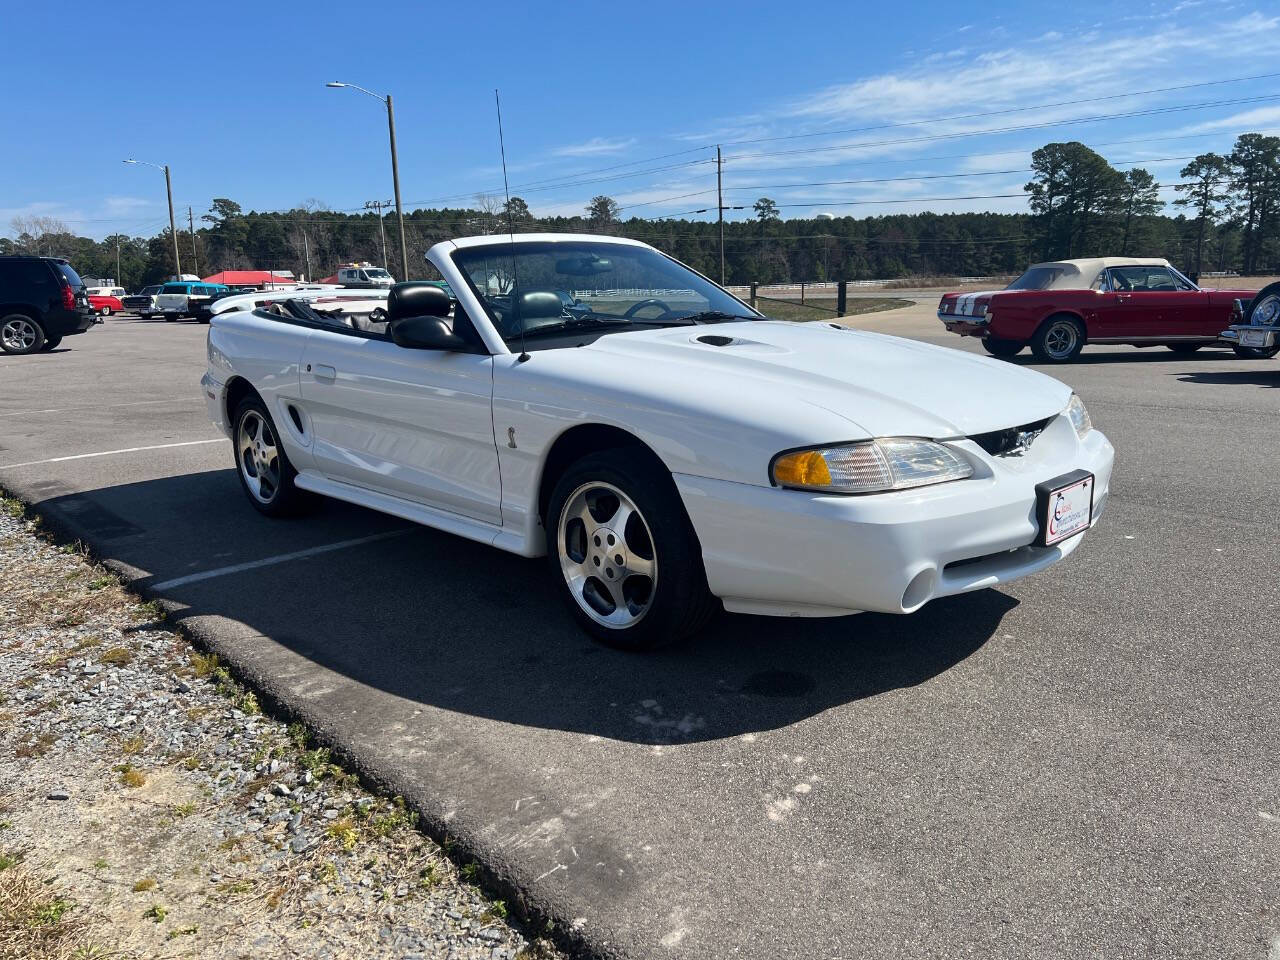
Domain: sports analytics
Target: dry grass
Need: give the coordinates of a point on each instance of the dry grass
(36, 922)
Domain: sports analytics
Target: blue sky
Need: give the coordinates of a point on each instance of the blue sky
(232, 96)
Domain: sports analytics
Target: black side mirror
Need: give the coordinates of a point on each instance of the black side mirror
(426, 333)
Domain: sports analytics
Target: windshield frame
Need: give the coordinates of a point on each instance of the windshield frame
(502, 247)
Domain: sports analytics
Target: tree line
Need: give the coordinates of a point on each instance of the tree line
(1227, 219)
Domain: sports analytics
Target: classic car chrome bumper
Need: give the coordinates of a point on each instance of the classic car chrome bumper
(963, 324)
(1251, 335)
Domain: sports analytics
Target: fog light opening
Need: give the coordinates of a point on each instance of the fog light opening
(919, 590)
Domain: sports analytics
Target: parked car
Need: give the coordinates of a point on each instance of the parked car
(668, 448)
(363, 275)
(142, 303)
(1059, 307)
(1255, 327)
(42, 300)
(106, 300)
(185, 299)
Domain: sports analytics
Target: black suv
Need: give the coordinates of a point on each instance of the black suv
(42, 300)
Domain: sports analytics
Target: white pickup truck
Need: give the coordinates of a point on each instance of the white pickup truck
(669, 449)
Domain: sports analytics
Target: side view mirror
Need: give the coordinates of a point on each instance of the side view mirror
(426, 333)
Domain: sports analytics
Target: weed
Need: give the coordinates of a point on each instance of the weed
(184, 809)
(191, 763)
(52, 912)
(100, 864)
(145, 884)
(37, 747)
(117, 657)
(247, 702)
(132, 777)
(133, 745)
(156, 912)
(8, 860)
(204, 664)
(299, 735)
(190, 931)
(344, 831)
(470, 872)
(101, 583)
(495, 911)
(429, 876)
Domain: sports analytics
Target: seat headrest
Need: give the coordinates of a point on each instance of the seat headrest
(538, 304)
(417, 300)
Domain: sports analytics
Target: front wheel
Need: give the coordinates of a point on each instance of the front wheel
(20, 334)
(1001, 348)
(1059, 340)
(265, 473)
(624, 552)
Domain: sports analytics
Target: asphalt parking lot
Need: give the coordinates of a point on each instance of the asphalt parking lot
(1083, 764)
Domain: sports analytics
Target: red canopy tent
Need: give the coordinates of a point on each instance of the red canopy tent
(249, 278)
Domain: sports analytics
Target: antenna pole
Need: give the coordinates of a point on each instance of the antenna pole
(511, 232)
(720, 202)
(195, 261)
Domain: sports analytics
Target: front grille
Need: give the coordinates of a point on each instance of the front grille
(1012, 441)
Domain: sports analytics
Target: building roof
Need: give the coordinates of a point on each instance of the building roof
(250, 277)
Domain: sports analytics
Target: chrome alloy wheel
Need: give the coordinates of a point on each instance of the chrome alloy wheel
(606, 555)
(1267, 312)
(1060, 339)
(19, 334)
(258, 456)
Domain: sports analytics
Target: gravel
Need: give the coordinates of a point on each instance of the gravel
(145, 786)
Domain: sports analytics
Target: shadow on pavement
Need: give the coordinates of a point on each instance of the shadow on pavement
(1141, 355)
(443, 621)
(1262, 377)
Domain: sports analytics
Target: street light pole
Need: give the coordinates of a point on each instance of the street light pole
(395, 165)
(173, 229)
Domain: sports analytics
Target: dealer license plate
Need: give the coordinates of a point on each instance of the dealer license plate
(1064, 506)
(1253, 338)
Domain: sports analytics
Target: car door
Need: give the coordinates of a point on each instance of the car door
(415, 424)
(1140, 304)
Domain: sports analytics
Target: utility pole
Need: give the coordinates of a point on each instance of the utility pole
(118, 280)
(306, 251)
(720, 203)
(195, 261)
(377, 205)
(395, 179)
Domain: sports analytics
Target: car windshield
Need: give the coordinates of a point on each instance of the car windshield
(377, 274)
(1038, 278)
(544, 286)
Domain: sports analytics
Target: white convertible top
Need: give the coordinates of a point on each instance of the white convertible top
(348, 297)
(1080, 274)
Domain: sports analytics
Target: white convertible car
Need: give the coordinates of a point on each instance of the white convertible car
(667, 447)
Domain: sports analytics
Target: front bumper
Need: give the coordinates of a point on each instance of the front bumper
(1251, 335)
(965, 326)
(790, 553)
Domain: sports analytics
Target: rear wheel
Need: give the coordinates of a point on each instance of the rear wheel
(106, 311)
(1059, 340)
(1184, 347)
(51, 342)
(624, 552)
(20, 334)
(1001, 348)
(265, 473)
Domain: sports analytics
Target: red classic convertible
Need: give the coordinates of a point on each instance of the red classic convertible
(1059, 307)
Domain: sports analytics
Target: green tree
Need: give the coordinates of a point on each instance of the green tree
(516, 211)
(602, 211)
(1072, 193)
(1139, 197)
(1205, 192)
(765, 209)
(1255, 182)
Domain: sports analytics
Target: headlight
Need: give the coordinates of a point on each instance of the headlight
(1079, 416)
(869, 467)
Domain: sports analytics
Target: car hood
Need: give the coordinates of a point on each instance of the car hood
(884, 385)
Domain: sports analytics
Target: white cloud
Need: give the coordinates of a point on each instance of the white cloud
(596, 146)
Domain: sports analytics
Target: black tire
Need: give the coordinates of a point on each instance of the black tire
(20, 334)
(1255, 353)
(1002, 348)
(675, 602)
(1055, 341)
(1266, 295)
(1184, 347)
(170, 318)
(51, 343)
(284, 499)
(106, 311)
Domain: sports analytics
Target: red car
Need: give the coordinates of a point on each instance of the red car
(106, 300)
(1059, 307)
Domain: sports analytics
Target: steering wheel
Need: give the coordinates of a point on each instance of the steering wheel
(639, 305)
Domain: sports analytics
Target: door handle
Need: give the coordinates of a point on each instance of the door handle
(325, 372)
(1123, 296)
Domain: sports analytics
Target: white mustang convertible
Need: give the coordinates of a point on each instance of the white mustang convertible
(667, 447)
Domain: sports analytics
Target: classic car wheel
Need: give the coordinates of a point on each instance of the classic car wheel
(1058, 340)
(20, 334)
(1002, 348)
(106, 311)
(1255, 353)
(1264, 308)
(51, 342)
(625, 552)
(261, 463)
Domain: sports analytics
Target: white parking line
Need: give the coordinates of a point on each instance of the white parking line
(111, 453)
(270, 561)
(103, 406)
